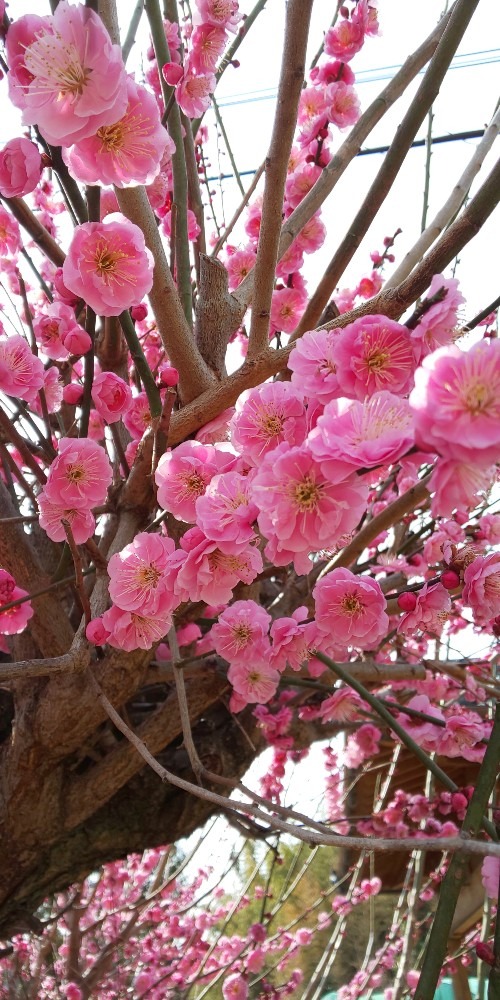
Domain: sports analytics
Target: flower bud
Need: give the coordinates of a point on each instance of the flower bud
(407, 601)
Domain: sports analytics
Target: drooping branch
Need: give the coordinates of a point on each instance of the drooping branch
(381, 186)
(291, 78)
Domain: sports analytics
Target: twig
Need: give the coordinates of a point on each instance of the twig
(132, 30)
(298, 15)
(38, 233)
(140, 362)
(381, 186)
(350, 148)
(227, 144)
(427, 173)
(243, 203)
(456, 873)
(77, 562)
(184, 707)
(13, 435)
(450, 207)
(472, 323)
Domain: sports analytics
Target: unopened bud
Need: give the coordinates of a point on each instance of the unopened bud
(407, 601)
(450, 579)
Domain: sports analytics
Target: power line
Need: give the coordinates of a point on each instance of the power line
(435, 141)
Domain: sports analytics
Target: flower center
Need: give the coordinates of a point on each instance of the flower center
(376, 360)
(242, 633)
(270, 424)
(76, 473)
(106, 261)
(56, 65)
(477, 396)
(194, 484)
(112, 136)
(148, 576)
(306, 495)
(351, 605)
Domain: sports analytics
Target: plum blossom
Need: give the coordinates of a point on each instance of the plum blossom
(456, 403)
(129, 151)
(58, 333)
(344, 39)
(130, 630)
(430, 613)
(458, 485)
(234, 987)
(52, 514)
(221, 13)
(312, 364)
(208, 42)
(371, 354)
(21, 373)
(138, 579)
(350, 608)
(254, 679)
(13, 620)
(490, 876)
(111, 396)
(80, 474)
(265, 417)
(109, 265)
(343, 107)
(437, 325)
(226, 511)
(184, 473)
(295, 642)
(377, 431)
(464, 735)
(482, 587)
(201, 571)
(194, 90)
(300, 510)
(241, 632)
(287, 305)
(10, 234)
(20, 168)
(65, 75)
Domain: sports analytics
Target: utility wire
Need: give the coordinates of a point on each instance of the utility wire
(436, 140)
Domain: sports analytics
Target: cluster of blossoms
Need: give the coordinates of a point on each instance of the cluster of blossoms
(12, 619)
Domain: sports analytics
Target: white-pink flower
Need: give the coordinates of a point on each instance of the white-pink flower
(52, 514)
(80, 474)
(109, 265)
(111, 396)
(226, 511)
(431, 611)
(267, 416)
(482, 587)
(456, 403)
(138, 577)
(377, 431)
(20, 167)
(371, 354)
(130, 630)
(351, 608)
(314, 371)
(205, 573)
(128, 151)
(21, 373)
(254, 679)
(13, 620)
(241, 632)
(300, 509)
(64, 73)
(184, 473)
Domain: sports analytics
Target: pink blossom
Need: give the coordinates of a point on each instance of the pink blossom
(287, 305)
(238, 265)
(184, 473)
(10, 234)
(254, 679)
(342, 706)
(482, 587)
(362, 745)
(205, 573)
(138, 575)
(362, 435)
(458, 485)
(65, 75)
(437, 325)
(344, 40)
(52, 513)
(312, 364)
(130, 630)
(21, 373)
(241, 632)
(234, 987)
(80, 475)
(490, 876)
(77, 340)
(343, 107)
(265, 417)
(221, 13)
(431, 612)
(193, 93)
(129, 151)
(96, 632)
(425, 733)
(109, 265)
(312, 235)
(300, 510)
(208, 42)
(332, 72)
(351, 608)
(111, 396)
(373, 353)
(226, 512)
(300, 183)
(463, 736)
(295, 642)
(14, 620)
(456, 403)
(20, 168)
(53, 391)
(53, 326)
(137, 418)
(193, 227)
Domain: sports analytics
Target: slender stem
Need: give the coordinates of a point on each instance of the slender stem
(381, 186)
(132, 29)
(298, 15)
(183, 264)
(12, 435)
(77, 562)
(457, 871)
(243, 203)
(141, 365)
(227, 144)
(38, 233)
(427, 173)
